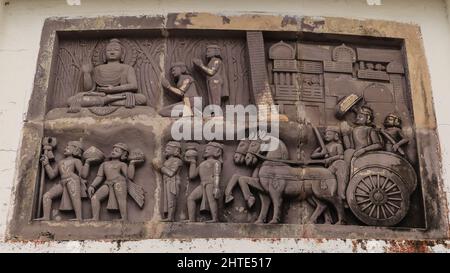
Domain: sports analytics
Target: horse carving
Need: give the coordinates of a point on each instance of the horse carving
(274, 178)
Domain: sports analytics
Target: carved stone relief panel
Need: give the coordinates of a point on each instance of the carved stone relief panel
(110, 164)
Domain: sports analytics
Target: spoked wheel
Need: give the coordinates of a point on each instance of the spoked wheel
(378, 197)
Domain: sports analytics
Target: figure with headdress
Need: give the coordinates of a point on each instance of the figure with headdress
(112, 83)
(170, 171)
(185, 88)
(116, 177)
(333, 154)
(209, 172)
(393, 134)
(216, 79)
(71, 188)
(363, 136)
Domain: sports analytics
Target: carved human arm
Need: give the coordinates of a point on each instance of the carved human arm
(97, 181)
(346, 131)
(86, 168)
(210, 71)
(318, 153)
(79, 168)
(179, 91)
(51, 172)
(403, 140)
(172, 169)
(88, 81)
(216, 177)
(193, 170)
(129, 171)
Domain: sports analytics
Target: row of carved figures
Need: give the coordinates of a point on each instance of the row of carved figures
(333, 155)
(113, 84)
(368, 173)
(114, 179)
(272, 172)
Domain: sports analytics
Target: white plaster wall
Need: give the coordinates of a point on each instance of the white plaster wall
(20, 29)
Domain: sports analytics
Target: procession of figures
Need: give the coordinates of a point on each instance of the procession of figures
(356, 159)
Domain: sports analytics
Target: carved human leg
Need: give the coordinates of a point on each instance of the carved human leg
(172, 201)
(170, 204)
(341, 171)
(80, 100)
(96, 199)
(55, 192)
(130, 100)
(195, 195)
(74, 188)
(120, 189)
(212, 204)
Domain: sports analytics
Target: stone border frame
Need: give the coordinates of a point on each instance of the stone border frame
(20, 226)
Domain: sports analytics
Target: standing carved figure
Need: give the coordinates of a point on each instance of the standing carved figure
(209, 172)
(170, 171)
(216, 79)
(116, 175)
(393, 134)
(333, 154)
(112, 83)
(72, 173)
(185, 88)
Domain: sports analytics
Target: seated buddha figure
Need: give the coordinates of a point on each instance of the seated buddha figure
(113, 83)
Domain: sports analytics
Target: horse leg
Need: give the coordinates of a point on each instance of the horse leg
(265, 204)
(339, 206)
(230, 186)
(326, 212)
(327, 216)
(318, 211)
(277, 200)
(244, 183)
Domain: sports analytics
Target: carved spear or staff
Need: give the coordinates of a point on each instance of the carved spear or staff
(320, 139)
(48, 144)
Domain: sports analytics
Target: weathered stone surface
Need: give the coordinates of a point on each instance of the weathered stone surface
(141, 127)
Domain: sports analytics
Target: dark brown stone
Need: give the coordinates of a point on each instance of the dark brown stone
(357, 156)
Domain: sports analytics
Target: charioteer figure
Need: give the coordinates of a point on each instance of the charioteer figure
(364, 136)
(332, 151)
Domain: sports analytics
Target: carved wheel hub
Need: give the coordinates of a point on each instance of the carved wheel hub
(378, 197)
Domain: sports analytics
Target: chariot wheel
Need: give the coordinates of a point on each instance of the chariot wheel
(378, 197)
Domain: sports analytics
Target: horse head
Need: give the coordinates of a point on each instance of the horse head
(241, 151)
(254, 148)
